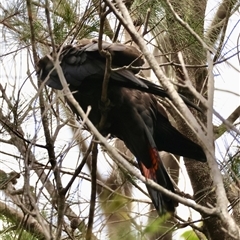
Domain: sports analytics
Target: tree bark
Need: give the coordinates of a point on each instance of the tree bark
(194, 55)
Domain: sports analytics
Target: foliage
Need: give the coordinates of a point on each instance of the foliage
(189, 235)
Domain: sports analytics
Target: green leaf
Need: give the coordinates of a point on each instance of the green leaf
(190, 235)
(156, 225)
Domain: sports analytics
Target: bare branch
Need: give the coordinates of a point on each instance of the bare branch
(16, 216)
(93, 191)
(219, 21)
(220, 130)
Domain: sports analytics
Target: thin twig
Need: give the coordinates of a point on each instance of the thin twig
(93, 191)
(49, 25)
(220, 130)
(145, 26)
(78, 170)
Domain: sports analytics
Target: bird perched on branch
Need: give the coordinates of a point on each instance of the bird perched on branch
(134, 114)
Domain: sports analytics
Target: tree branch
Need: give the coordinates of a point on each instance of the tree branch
(121, 161)
(16, 216)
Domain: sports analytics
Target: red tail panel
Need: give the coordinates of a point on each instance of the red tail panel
(150, 173)
(158, 174)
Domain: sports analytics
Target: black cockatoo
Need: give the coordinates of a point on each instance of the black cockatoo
(135, 114)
